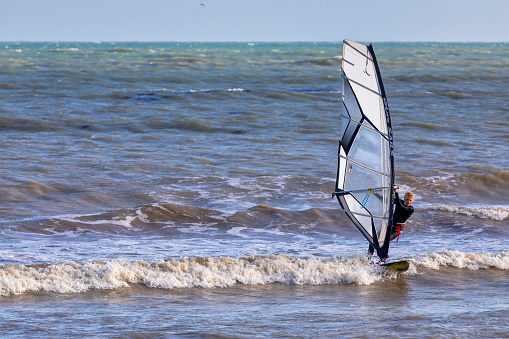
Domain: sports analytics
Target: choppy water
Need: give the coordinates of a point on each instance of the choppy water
(184, 188)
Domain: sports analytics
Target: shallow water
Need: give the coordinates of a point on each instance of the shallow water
(406, 306)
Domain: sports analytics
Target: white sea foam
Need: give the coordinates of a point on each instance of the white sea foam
(126, 221)
(472, 261)
(237, 231)
(494, 213)
(73, 277)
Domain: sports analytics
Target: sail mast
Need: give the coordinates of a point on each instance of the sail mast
(384, 251)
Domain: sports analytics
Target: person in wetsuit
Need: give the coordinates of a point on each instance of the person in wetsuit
(403, 211)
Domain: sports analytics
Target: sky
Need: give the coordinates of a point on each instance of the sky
(254, 20)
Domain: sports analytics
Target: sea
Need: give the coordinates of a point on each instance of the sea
(171, 189)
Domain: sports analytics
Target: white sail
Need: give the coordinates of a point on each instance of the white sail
(366, 158)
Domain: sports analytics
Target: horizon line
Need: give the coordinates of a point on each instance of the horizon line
(245, 41)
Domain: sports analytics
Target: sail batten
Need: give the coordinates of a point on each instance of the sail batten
(365, 174)
(359, 123)
(367, 88)
(363, 166)
(347, 42)
(365, 215)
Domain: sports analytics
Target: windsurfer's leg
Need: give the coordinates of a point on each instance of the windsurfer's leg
(394, 234)
(371, 250)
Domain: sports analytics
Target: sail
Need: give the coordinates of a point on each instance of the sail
(365, 173)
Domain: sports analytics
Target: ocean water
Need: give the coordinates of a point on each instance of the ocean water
(164, 189)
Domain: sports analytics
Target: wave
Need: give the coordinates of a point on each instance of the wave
(220, 272)
(499, 123)
(168, 219)
(454, 94)
(163, 94)
(74, 277)
(493, 213)
(94, 125)
(318, 90)
(445, 78)
(428, 126)
(471, 261)
(334, 61)
(27, 124)
(483, 181)
(433, 141)
(221, 94)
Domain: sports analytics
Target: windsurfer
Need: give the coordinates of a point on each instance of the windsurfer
(403, 211)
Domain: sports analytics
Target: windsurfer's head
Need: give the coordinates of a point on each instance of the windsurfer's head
(409, 198)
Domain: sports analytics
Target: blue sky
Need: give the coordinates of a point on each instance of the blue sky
(254, 20)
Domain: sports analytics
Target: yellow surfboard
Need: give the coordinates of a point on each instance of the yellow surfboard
(400, 266)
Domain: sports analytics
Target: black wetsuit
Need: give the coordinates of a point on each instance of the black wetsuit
(400, 216)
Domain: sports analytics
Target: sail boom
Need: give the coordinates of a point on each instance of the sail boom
(361, 190)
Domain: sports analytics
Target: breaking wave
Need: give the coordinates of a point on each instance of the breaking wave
(74, 277)
(493, 213)
(471, 261)
(220, 272)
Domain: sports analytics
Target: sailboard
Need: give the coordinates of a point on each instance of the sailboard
(398, 266)
(365, 174)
